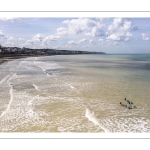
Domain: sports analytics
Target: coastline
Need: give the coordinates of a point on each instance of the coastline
(9, 57)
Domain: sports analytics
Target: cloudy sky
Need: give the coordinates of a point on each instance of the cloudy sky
(110, 35)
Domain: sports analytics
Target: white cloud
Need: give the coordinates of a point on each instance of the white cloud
(30, 42)
(41, 38)
(119, 24)
(145, 37)
(78, 42)
(45, 45)
(87, 26)
(10, 38)
(78, 26)
(1, 34)
(107, 33)
(128, 34)
(116, 23)
(101, 40)
(88, 34)
(21, 39)
(73, 43)
(113, 37)
(88, 46)
(51, 38)
(38, 37)
(62, 31)
(96, 31)
(111, 43)
(82, 40)
(127, 39)
(99, 19)
(119, 30)
(12, 19)
(115, 43)
(92, 42)
(35, 39)
(68, 46)
(55, 37)
(47, 39)
(9, 44)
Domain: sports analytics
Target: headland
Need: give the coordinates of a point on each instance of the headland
(9, 53)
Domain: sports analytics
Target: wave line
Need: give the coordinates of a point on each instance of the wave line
(90, 115)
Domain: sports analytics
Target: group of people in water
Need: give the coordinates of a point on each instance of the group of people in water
(128, 105)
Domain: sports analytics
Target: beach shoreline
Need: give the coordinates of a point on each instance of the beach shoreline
(6, 58)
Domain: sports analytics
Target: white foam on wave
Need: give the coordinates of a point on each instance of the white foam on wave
(27, 63)
(90, 115)
(48, 75)
(20, 112)
(11, 94)
(39, 66)
(20, 64)
(36, 87)
(72, 87)
(131, 124)
(11, 99)
(30, 103)
(47, 65)
(30, 113)
(5, 79)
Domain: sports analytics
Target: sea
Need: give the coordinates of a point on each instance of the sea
(75, 93)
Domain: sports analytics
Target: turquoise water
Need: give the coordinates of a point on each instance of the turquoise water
(75, 93)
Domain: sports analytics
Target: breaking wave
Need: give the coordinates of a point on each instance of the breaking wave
(5, 79)
(36, 87)
(11, 93)
(91, 116)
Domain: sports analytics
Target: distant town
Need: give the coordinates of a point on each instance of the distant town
(16, 51)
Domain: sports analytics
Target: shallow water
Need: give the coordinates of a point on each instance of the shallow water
(75, 93)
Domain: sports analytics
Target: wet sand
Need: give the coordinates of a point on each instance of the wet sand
(9, 58)
(4, 59)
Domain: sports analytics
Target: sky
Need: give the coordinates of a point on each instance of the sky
(109, 35)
